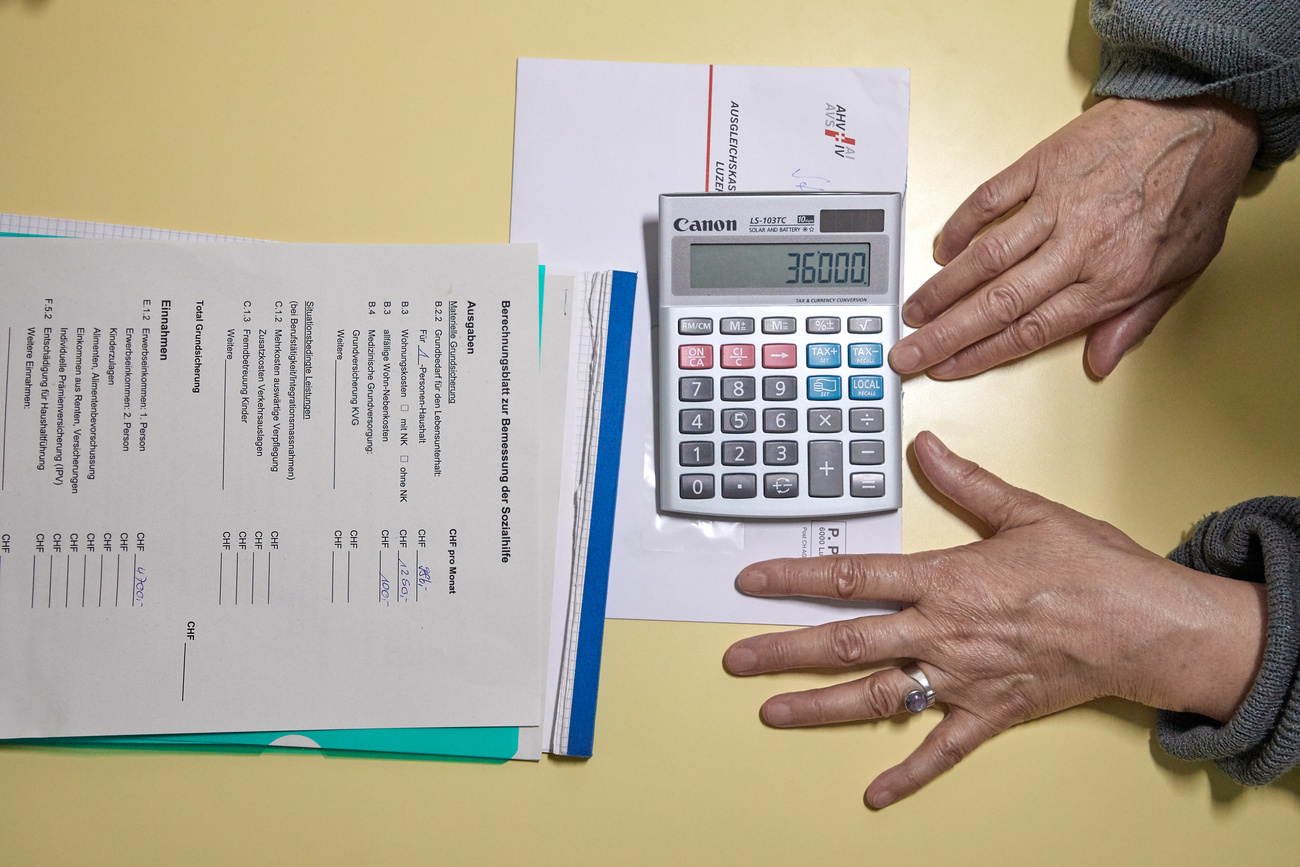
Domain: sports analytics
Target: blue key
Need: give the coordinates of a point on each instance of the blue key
(865, 387)
(824, 387)
(863, 355)
(823, 355)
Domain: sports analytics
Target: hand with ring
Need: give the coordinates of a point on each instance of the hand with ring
(1050, 610)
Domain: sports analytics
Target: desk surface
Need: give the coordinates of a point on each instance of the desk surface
(392, 122)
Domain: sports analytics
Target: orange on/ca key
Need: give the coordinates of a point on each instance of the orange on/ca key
(736, 356)
(695, 356)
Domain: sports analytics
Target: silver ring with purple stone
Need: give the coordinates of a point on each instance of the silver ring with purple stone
(918, 699)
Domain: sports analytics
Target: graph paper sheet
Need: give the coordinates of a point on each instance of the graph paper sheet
(19, 225)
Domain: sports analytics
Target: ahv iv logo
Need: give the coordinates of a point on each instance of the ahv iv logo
(836, 123)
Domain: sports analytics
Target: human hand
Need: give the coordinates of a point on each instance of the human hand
(1123, 208)
(1052, 610)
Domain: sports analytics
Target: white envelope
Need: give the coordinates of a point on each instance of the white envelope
(596, 143)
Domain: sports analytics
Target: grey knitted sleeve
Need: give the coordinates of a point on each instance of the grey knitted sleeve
(1258, 540)
(1245, 51)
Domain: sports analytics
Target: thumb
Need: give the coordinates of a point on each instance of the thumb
(947, 744)
(999, 505)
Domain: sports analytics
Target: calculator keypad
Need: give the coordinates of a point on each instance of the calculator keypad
(794, 409)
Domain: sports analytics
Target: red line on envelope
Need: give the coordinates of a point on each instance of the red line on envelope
(708, 133)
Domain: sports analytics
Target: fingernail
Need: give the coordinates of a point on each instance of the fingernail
(880, 800)
(777, 713)
(905, 358)
(938, 446)
(913, 315)
(938, 245)
(741, 659)
(943, 368)
(751, 580)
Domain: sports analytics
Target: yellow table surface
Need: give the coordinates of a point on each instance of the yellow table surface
(392, 122)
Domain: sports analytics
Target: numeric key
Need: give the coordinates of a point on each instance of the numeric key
(739, 453)
(737, 388)
(695, 421)
(781, 420)
(780, 388)
(694, 388)
(696, 486)
(695, 454)
(780, 453)
(739, 421)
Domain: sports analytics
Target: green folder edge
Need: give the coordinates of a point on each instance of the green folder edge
(485, 744)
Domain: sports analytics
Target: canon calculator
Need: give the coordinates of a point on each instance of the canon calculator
(776, 315)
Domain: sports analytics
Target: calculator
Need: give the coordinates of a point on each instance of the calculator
(776, 313)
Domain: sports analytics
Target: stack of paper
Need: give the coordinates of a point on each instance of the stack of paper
(321, 481)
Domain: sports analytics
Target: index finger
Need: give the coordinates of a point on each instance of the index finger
(994, 254)
(991, 200)
(860, 577)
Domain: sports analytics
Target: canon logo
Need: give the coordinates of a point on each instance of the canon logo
(682, 224)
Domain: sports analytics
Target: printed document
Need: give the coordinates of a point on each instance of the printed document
(269, 487)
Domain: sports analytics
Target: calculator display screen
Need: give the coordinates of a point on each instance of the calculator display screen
(780, 266)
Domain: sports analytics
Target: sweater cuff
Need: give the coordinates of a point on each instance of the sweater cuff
(1258, 540)
(1141, 74)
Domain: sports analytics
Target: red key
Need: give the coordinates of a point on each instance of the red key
(695, 356)
(780, 355)
(736, 356)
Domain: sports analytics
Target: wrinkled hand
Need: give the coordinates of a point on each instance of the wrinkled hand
(1124, 207)
(1053, 609)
